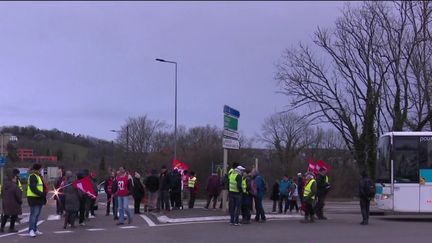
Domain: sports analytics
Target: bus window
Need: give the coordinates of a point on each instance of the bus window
(406, 159)
(383, 160)
(425, 152)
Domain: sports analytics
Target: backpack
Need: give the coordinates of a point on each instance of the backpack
(370, 189)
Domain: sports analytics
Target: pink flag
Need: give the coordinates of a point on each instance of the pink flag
(85, 185)
(321, 164)
(311, 165)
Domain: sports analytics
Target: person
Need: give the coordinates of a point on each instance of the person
(82, 203)
(176, 187)
(246, 204)
(11, 202)
(138, 192)
(224, 182)
(213, 189)
(293, 195)
(164, 188)
(284, 185)
(36, 198)
(309, 198)
(185, 190)
(152, 186)
(193, 189)
(364, 184)
(93, 204)
(300, 186)
(323, 188)
(259, 189)
(124, 189)
(275, 195)
(59, 198)
(108, 187)
(234, 194)
(16, 172)
(72, 200)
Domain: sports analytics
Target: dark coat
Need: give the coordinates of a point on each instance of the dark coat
(12, 199)
(176, 181)
(72, 197)
(322, 186)
(213, 185)
(138, 189)
(152, 183)
(275, 192)
(164, 181)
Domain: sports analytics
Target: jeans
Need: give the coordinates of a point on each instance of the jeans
(259, 209)
(123, 205)
(283, 198)
(34, 217)
(234, 206)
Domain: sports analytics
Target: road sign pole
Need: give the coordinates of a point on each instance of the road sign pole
(225, 192)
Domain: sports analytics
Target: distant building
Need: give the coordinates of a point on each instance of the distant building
(28, 155)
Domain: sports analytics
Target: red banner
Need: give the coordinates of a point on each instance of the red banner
(180, 166)
(316, 166)
(85, 185)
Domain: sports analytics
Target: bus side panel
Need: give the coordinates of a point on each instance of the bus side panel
(406, 198)
(383, 197)
(426, 198)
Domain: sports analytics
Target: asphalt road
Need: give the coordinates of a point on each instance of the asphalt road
(199, 225)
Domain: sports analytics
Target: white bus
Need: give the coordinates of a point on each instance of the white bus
(404, 172)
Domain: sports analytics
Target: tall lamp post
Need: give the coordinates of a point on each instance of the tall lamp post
(175, 105)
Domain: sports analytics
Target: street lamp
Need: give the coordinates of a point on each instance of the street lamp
(175, 106)
(127, 137)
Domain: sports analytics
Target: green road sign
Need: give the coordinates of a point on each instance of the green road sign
(230, 123)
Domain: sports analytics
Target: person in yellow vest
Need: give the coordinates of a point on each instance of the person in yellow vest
(193, 189)
(309, 198)
(235, 194)
(246, 198)
(36, 198)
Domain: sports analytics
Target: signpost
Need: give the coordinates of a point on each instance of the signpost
(229, 141)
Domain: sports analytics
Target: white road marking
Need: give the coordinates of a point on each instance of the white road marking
(148, 220)
(62, 232)
(7, 235)
(96, 229)
(53, 217)
(129, 227)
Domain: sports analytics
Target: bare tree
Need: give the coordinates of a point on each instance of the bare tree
(288, 134)
(343, 85)
(140, 135)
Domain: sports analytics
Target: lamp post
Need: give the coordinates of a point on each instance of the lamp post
(175, 105)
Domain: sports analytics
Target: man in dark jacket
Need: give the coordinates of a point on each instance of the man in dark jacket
(164, 188)
(364, 197)
(72, 200)
(300, 185)
(152, 185)
(323, 187)
(36, 198)
(176, 187)
(138, 192)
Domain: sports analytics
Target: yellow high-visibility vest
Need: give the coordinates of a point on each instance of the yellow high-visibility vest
(244, 185)
(191, 182)
(19, 185)
(39, 186)
(232, 182)
(308, 189)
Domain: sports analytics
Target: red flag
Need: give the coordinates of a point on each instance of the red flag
(311, 165)
(180, 166)
(85, 185)
(321, 164)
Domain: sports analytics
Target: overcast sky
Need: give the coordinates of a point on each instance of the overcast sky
(85, 67)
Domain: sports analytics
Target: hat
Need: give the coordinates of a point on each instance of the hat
(299, 174)
(137, 175)
(240, 167)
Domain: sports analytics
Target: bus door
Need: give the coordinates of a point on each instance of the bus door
(425, 173)
(406, 188)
